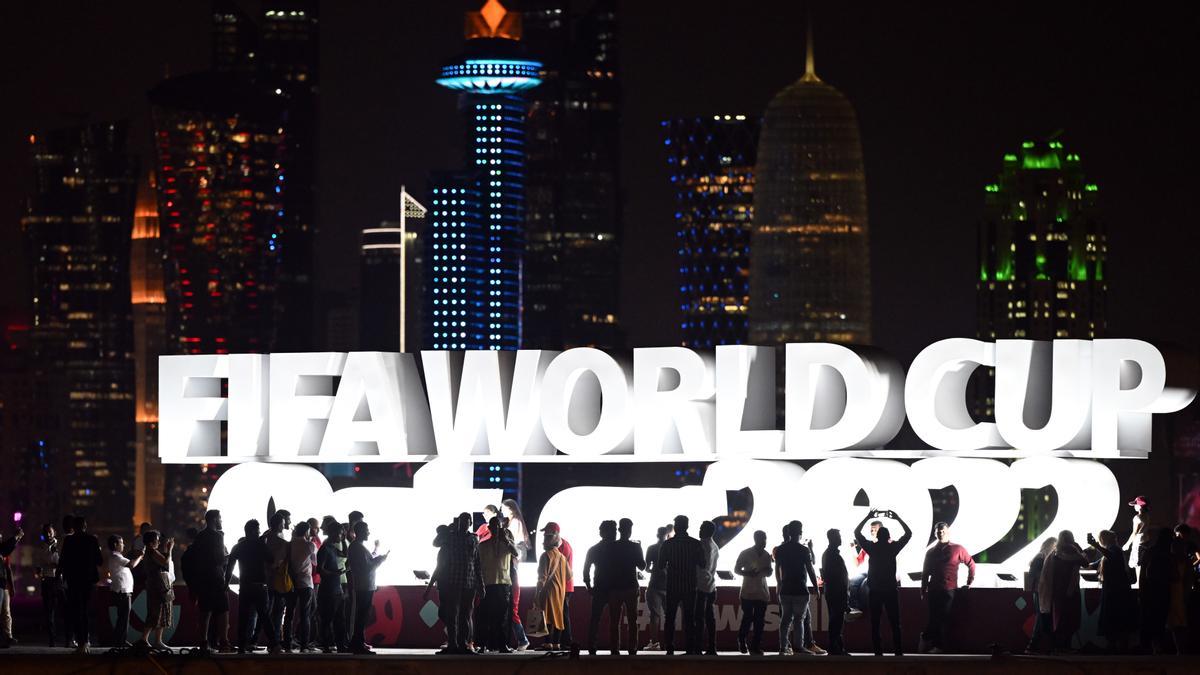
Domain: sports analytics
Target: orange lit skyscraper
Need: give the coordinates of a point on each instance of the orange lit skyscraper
(149, 341)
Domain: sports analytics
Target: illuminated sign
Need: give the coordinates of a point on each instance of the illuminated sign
(1072, 398)
(1055, 403)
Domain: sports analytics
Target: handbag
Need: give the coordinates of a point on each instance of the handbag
(281, 578)
(535, 623)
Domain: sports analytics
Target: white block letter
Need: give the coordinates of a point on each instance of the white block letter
(587, 408)
(840, 398)
(673, 387)
(746, 402)
(301, 400)
(935, 395)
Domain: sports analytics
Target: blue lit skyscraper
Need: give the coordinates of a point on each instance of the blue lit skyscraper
(476, 230)
(712, 170)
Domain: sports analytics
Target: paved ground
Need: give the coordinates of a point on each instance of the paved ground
(44, 661)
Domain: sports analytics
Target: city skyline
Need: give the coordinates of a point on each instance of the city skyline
(948, 143)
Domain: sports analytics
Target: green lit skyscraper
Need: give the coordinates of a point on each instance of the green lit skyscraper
(810, 268)
(1041, 249)
(1041, 255)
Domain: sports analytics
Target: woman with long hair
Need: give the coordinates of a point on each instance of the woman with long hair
(1117, 607)
(1042, 624)
(159, 595)
(1058, 590)
(514, 520)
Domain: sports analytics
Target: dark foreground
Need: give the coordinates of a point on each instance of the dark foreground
(415, 661)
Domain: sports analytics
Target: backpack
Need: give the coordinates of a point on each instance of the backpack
(281, 577)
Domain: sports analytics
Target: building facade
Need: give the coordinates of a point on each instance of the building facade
(77, 232)
(289, 68)
(573, 202)
(810, 258)
(1042, 249)
(476, 242)
(712, 172)
(219, 148)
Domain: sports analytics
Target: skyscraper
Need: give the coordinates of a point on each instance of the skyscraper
(1041, 254)
(289, 67)
(278, 54)
(392, 270)
(476, 238)
(810, 263)
(1042, 249)
(219, 149)
(77, 233)
(149, 341)
(573, 214)
(712, 170)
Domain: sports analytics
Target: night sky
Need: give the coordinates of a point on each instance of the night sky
(941, 95)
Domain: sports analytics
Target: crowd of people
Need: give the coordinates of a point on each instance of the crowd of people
(308, 586)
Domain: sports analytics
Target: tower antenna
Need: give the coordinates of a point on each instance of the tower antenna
(810, 68)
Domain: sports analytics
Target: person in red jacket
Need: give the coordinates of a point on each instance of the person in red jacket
(939, 581)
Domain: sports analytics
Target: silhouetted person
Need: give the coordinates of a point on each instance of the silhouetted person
(80, 564)
(254, 562)
(331, 596)
(656, 589)
(881, 575)
(282, 596)
(627, 560)
(836, 580)
(616, 583)
(160, 597)
(46, 567)
(362, 565)
(793, 572)
(754, 566)
(1117, 610)
(1058, 591)
(939, 582)
(859, 587)
(680, 557)
(1043, 625)
(1158, 570)
(496, 556)
(458, 584)
(209, 560)
(706, 589)
(599, 556)
(302, 554)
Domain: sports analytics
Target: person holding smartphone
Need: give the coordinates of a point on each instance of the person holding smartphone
(881, 575)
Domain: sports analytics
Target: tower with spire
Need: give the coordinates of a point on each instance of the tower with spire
(476, 241)
(810, 275)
